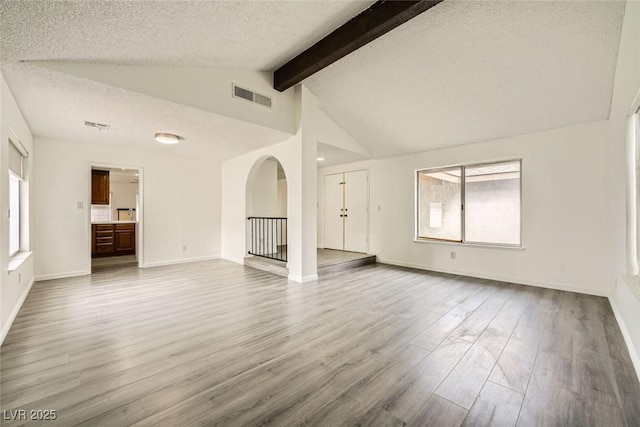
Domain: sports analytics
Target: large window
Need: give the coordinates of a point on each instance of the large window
(473, 203)
(16, 176)
(14, 214)
(634, 203)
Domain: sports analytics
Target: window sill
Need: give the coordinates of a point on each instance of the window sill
(17, 260)
(472, 245)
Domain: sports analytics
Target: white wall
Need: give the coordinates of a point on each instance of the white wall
(204, 88)
(298, 159)
(123, 196)
(625, 292)
(181, 200)
(14, 286)
(235, 173)
(564, 219)
(329, 132)
(282, 198)
(262, 191)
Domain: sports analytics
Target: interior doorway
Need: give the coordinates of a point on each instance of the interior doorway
(346, 211)
(115, 223)
(266, 209)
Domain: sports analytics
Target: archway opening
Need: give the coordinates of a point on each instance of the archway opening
(266, 208)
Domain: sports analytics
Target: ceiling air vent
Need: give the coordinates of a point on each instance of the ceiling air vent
(249, 95)
(99, 126)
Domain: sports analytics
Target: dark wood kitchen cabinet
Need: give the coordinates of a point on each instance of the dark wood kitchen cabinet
(102, 239)
(113, 239)
(99, 187)
(125, 239)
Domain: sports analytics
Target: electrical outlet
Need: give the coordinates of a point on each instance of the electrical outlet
(184, 248)
(562, 267)
(80, 205)
(452, 255)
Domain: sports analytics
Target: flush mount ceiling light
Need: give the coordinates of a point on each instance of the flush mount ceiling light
(319, 159)
(167, 138)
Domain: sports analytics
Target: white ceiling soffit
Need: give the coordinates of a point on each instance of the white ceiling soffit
(251, 35)
(209, 89)
(104, 41)
(466, 72)
(333, 155)
(56, 105)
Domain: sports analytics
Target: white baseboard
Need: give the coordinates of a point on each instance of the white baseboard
(179, 261)
(633, 352)
(310, 278)
(557, 286)
(64, 275)
(14, 312)
(233, 259)
(303, 279)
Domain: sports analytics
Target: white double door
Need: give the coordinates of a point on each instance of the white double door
(345, 211)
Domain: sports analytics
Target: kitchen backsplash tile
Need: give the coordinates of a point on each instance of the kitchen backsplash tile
(100, 213)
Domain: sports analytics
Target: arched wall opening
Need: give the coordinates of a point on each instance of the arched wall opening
(266, 209)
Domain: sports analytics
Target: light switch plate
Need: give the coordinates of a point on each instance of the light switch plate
(80, 205)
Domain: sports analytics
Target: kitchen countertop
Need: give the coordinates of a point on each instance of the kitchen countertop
(113, 222)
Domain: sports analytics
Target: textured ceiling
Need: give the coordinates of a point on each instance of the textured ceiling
(463, 72)
(469, 71)
(57, 105)
(252, 35)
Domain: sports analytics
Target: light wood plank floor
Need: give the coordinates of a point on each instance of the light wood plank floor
(328, 257)
(98, 264)
(215, 343)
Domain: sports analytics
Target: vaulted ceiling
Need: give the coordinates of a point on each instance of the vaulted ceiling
(462, 72)
(470, 71)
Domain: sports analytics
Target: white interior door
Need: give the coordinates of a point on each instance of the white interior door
(355, 224)
(333, 205)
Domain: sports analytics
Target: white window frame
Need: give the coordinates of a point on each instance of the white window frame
(463, 241)
(16, 258)
(13, 214)
(633, 207)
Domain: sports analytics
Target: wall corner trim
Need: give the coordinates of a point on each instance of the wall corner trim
(15, 311)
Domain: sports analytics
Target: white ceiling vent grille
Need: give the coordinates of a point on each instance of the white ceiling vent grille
(99, 126)
(250, 95)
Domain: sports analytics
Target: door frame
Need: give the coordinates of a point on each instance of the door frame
(140, 207)
(368, 205)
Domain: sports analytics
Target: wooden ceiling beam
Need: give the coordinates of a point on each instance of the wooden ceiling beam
(382, 17)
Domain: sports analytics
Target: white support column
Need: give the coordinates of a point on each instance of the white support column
(303, 194)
